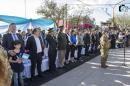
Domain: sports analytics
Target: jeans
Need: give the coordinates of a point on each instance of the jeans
(73, 48)
(87, 49)
(67, 52)
(18, 79)
(79, 51)
(92, 48)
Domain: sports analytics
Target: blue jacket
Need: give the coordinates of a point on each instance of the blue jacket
(73, 39)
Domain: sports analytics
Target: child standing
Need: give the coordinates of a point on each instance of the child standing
(16, 64)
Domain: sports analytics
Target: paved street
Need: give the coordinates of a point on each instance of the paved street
(90, 73)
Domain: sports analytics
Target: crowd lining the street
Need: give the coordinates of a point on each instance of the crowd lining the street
(61, 43)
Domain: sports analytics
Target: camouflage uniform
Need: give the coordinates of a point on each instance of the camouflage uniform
(104, 47)
(5, 71)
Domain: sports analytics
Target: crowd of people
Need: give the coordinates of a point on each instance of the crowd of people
(61, 43)
(119, 38)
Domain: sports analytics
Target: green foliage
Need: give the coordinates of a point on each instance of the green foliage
(51, 10)
(123, 20)
(76, 20)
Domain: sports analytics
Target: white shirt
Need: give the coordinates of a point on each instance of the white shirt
(79, 39)
(69, 37)
(120, 36)
(38, 44)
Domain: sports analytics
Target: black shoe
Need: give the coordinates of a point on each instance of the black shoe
(61, 67)
(25, 84)
(81, 60)
(105, 66)
(87, 55)
(40, 76)
(32, 78)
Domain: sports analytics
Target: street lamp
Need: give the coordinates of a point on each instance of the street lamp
(113, 8)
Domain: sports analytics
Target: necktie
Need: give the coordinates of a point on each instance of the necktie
(15, 38)
(42, 38)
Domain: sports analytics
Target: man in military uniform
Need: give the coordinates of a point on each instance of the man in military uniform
(5, 69)
(104, 47)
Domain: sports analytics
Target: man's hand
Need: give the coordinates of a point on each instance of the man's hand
(19, 61)
(43, 46)
(11, 52)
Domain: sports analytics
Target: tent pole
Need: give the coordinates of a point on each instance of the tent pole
(25, 7)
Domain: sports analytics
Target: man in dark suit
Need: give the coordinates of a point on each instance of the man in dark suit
(93, 42)
(29, 33)
(113, 40)
(10, 37)
(0, 39)
(67, 46)
(86, 40)
(61, 43)
(43, 38)
(34, 46)
(52, 52)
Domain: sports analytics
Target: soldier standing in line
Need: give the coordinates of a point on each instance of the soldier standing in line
(104, 48)
(5, 69)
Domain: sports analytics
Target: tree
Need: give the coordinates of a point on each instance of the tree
(76, 20)
(51, 10)
(123, 21)
(80, 14)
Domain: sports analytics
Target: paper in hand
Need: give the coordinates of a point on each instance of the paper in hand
(25, 56)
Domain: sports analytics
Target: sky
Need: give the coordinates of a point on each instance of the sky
(17, 8)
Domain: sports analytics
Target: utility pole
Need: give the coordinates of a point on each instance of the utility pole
(66, 15)
(25, 8)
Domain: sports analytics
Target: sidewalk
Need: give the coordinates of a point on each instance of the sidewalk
(90, 73)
